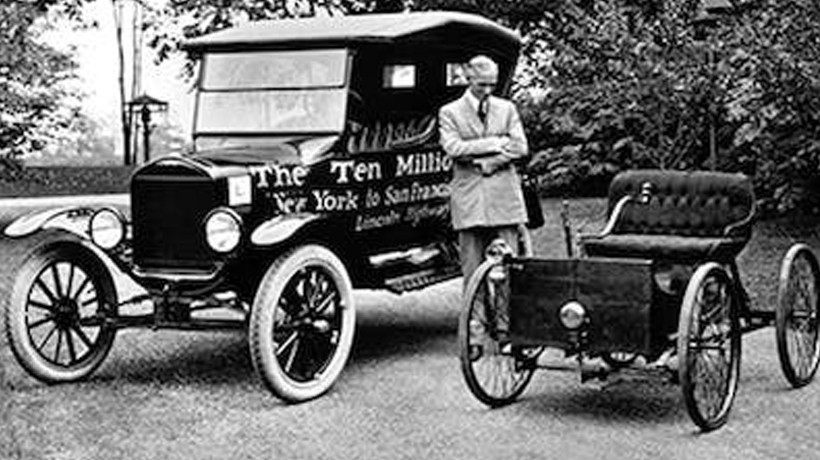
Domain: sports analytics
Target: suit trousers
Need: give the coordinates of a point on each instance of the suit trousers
(474, 240)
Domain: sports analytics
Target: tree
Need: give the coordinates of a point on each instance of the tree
(29, 75)
(37, 109)
(771, 65)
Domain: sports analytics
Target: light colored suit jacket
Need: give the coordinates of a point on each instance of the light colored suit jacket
(477, 200)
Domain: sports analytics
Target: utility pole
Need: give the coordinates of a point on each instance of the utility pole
(136, 69)
(125, 113)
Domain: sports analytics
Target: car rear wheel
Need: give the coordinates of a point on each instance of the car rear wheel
(58, 316)
(796, 317)
(302, 321)
(709, 344)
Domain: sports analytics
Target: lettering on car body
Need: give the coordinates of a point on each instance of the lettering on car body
(381, 189)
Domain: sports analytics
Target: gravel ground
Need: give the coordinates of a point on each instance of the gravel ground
(175, 395)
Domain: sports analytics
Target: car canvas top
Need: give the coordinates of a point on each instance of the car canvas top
(372, 28)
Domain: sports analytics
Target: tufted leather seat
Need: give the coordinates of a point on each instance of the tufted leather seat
(691, 216)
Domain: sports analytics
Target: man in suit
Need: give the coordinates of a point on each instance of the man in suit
(484, 136)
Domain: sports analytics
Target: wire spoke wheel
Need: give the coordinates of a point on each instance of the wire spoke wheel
(57, 316)
(796, 316)
(302, 323)
(494, 371)
(709, 346)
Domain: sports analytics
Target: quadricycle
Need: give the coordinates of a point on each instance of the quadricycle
(657, 292)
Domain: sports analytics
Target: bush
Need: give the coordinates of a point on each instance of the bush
(624, 97)
(50, 181)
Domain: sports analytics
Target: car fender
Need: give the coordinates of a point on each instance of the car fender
(73, 219)
(281, 228)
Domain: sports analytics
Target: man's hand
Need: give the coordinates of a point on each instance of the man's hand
(497, 158)
(489, 165)
(501, 143)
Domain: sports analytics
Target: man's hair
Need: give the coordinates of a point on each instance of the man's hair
(482, 64)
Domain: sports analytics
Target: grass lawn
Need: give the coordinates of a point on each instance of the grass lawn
(157, 386)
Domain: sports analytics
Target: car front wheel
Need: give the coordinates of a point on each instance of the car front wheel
(302, 322)
(59, 314)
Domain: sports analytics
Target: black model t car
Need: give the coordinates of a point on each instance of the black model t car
(316, 169)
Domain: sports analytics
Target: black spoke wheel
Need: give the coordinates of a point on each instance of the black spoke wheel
(709, 344)
(495, 372)
(796, 316)
(58, 315)
(302, 323)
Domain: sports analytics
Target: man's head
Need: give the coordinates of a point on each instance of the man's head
(482, 73)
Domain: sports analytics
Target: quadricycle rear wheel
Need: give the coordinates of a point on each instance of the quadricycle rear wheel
(709, 346)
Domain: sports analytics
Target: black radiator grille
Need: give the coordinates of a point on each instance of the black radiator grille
(167, 213)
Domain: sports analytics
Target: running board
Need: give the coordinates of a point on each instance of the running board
(421, 279)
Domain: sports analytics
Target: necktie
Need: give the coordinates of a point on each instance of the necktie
(483, 109)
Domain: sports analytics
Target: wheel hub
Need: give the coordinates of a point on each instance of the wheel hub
(66, 313)
(313, 324)
(321, 325)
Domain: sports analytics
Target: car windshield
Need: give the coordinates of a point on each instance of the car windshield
(272, 92)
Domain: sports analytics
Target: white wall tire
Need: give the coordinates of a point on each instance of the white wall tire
(302, 323)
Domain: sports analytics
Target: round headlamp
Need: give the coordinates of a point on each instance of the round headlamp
(223, 230)
(107, 228)
(498, 273)
(573, 315)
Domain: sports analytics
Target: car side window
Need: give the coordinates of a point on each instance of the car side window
(399, 76)
(456, 74)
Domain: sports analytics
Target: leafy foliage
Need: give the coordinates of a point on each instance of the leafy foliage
(34, 104)
(771, 61)
(620, 89)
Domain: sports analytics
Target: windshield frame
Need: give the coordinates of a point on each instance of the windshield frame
(202, 89)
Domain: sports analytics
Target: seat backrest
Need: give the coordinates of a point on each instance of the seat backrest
(699, 203)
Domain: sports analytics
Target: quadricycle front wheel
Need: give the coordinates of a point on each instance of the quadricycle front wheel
(495, 371)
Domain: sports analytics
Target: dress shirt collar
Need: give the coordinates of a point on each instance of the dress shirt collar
(472, 100)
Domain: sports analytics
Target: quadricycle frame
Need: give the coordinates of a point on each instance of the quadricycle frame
(656, 293)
